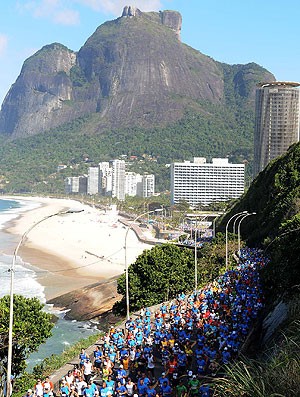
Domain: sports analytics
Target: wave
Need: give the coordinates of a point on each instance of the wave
(25, 281)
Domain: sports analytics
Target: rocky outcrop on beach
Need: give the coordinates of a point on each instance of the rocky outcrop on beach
(92, 301)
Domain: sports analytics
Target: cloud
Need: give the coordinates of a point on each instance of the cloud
(55, 10)
(3, 43)
(115, 7)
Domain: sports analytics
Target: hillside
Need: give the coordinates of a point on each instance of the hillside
(132, 88)
(275, 196)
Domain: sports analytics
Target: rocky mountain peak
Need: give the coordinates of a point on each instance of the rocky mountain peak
(173, 20)
(130, 11)
(169, 18)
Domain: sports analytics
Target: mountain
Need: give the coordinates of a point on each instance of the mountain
(133, 88)
(132, 71)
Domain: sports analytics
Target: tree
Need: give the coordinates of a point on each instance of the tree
(32, 326)
(157, 275)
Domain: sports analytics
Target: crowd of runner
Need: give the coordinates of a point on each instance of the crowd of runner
(175, 351)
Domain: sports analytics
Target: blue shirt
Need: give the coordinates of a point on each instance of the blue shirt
(151, 392)
(88, 392)
(142, 389)
(121, 389)
(204, 391)
(110, 385)
(104, 391)
(64, 390)
(97, 355)
(166, 390)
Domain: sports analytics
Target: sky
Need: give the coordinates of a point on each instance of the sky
(230, 31)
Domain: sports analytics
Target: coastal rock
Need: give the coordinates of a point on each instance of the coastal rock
(89, 302)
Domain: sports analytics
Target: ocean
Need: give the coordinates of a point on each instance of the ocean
(65, 332)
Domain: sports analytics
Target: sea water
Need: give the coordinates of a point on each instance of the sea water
(65, 332)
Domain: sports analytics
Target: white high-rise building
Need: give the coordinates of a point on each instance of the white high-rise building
(148, 185)
(133, 180)
(200, 182)
(277, 120)
(118, 179)
(93, 180)
(105, 178)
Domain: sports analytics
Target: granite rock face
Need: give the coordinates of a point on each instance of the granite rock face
(132, 71)
(36, 100)
(173, 20)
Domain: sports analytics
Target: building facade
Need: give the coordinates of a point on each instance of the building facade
(110, 179)
(132, 183)
(93, 180)
(76, 184)
(118, 179)
(276, 121)
(105, 178)
(201, 183)
(148, 185)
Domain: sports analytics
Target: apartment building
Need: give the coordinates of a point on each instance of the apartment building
(199, 182)
(276, 121)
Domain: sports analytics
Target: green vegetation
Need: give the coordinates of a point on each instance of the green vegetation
(30, 164)
(275, 197)
(31, 328)
(277, 373)
(164, 271)
(157, 275)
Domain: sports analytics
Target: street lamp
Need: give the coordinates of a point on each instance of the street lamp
(226, 234)
(239, 231)
(195, 258)
(214, 224)
(234, 230)
(11, 304)
(126, 264)
(190, 217)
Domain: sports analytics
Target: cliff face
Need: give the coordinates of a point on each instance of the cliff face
(132, 71)
(37, 98)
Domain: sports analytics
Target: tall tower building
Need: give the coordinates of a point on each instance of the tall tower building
(118, 179)
(276, 121)
(93, 181)
(148, 185)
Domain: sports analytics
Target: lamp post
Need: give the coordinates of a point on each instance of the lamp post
(11, 304)
(214, 227)
(239, 230)
(195, 258)
(214, 224)
(234, 230)
(126, 264)
(195, 244)
(226, 234)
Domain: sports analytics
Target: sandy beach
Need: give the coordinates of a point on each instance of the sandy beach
(73, 250)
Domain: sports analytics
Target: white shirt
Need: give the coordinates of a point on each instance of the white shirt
(87, 368)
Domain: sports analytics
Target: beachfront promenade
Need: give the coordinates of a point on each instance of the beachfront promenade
(191, 338)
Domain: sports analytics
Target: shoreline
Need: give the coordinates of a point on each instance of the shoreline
(72, 251)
